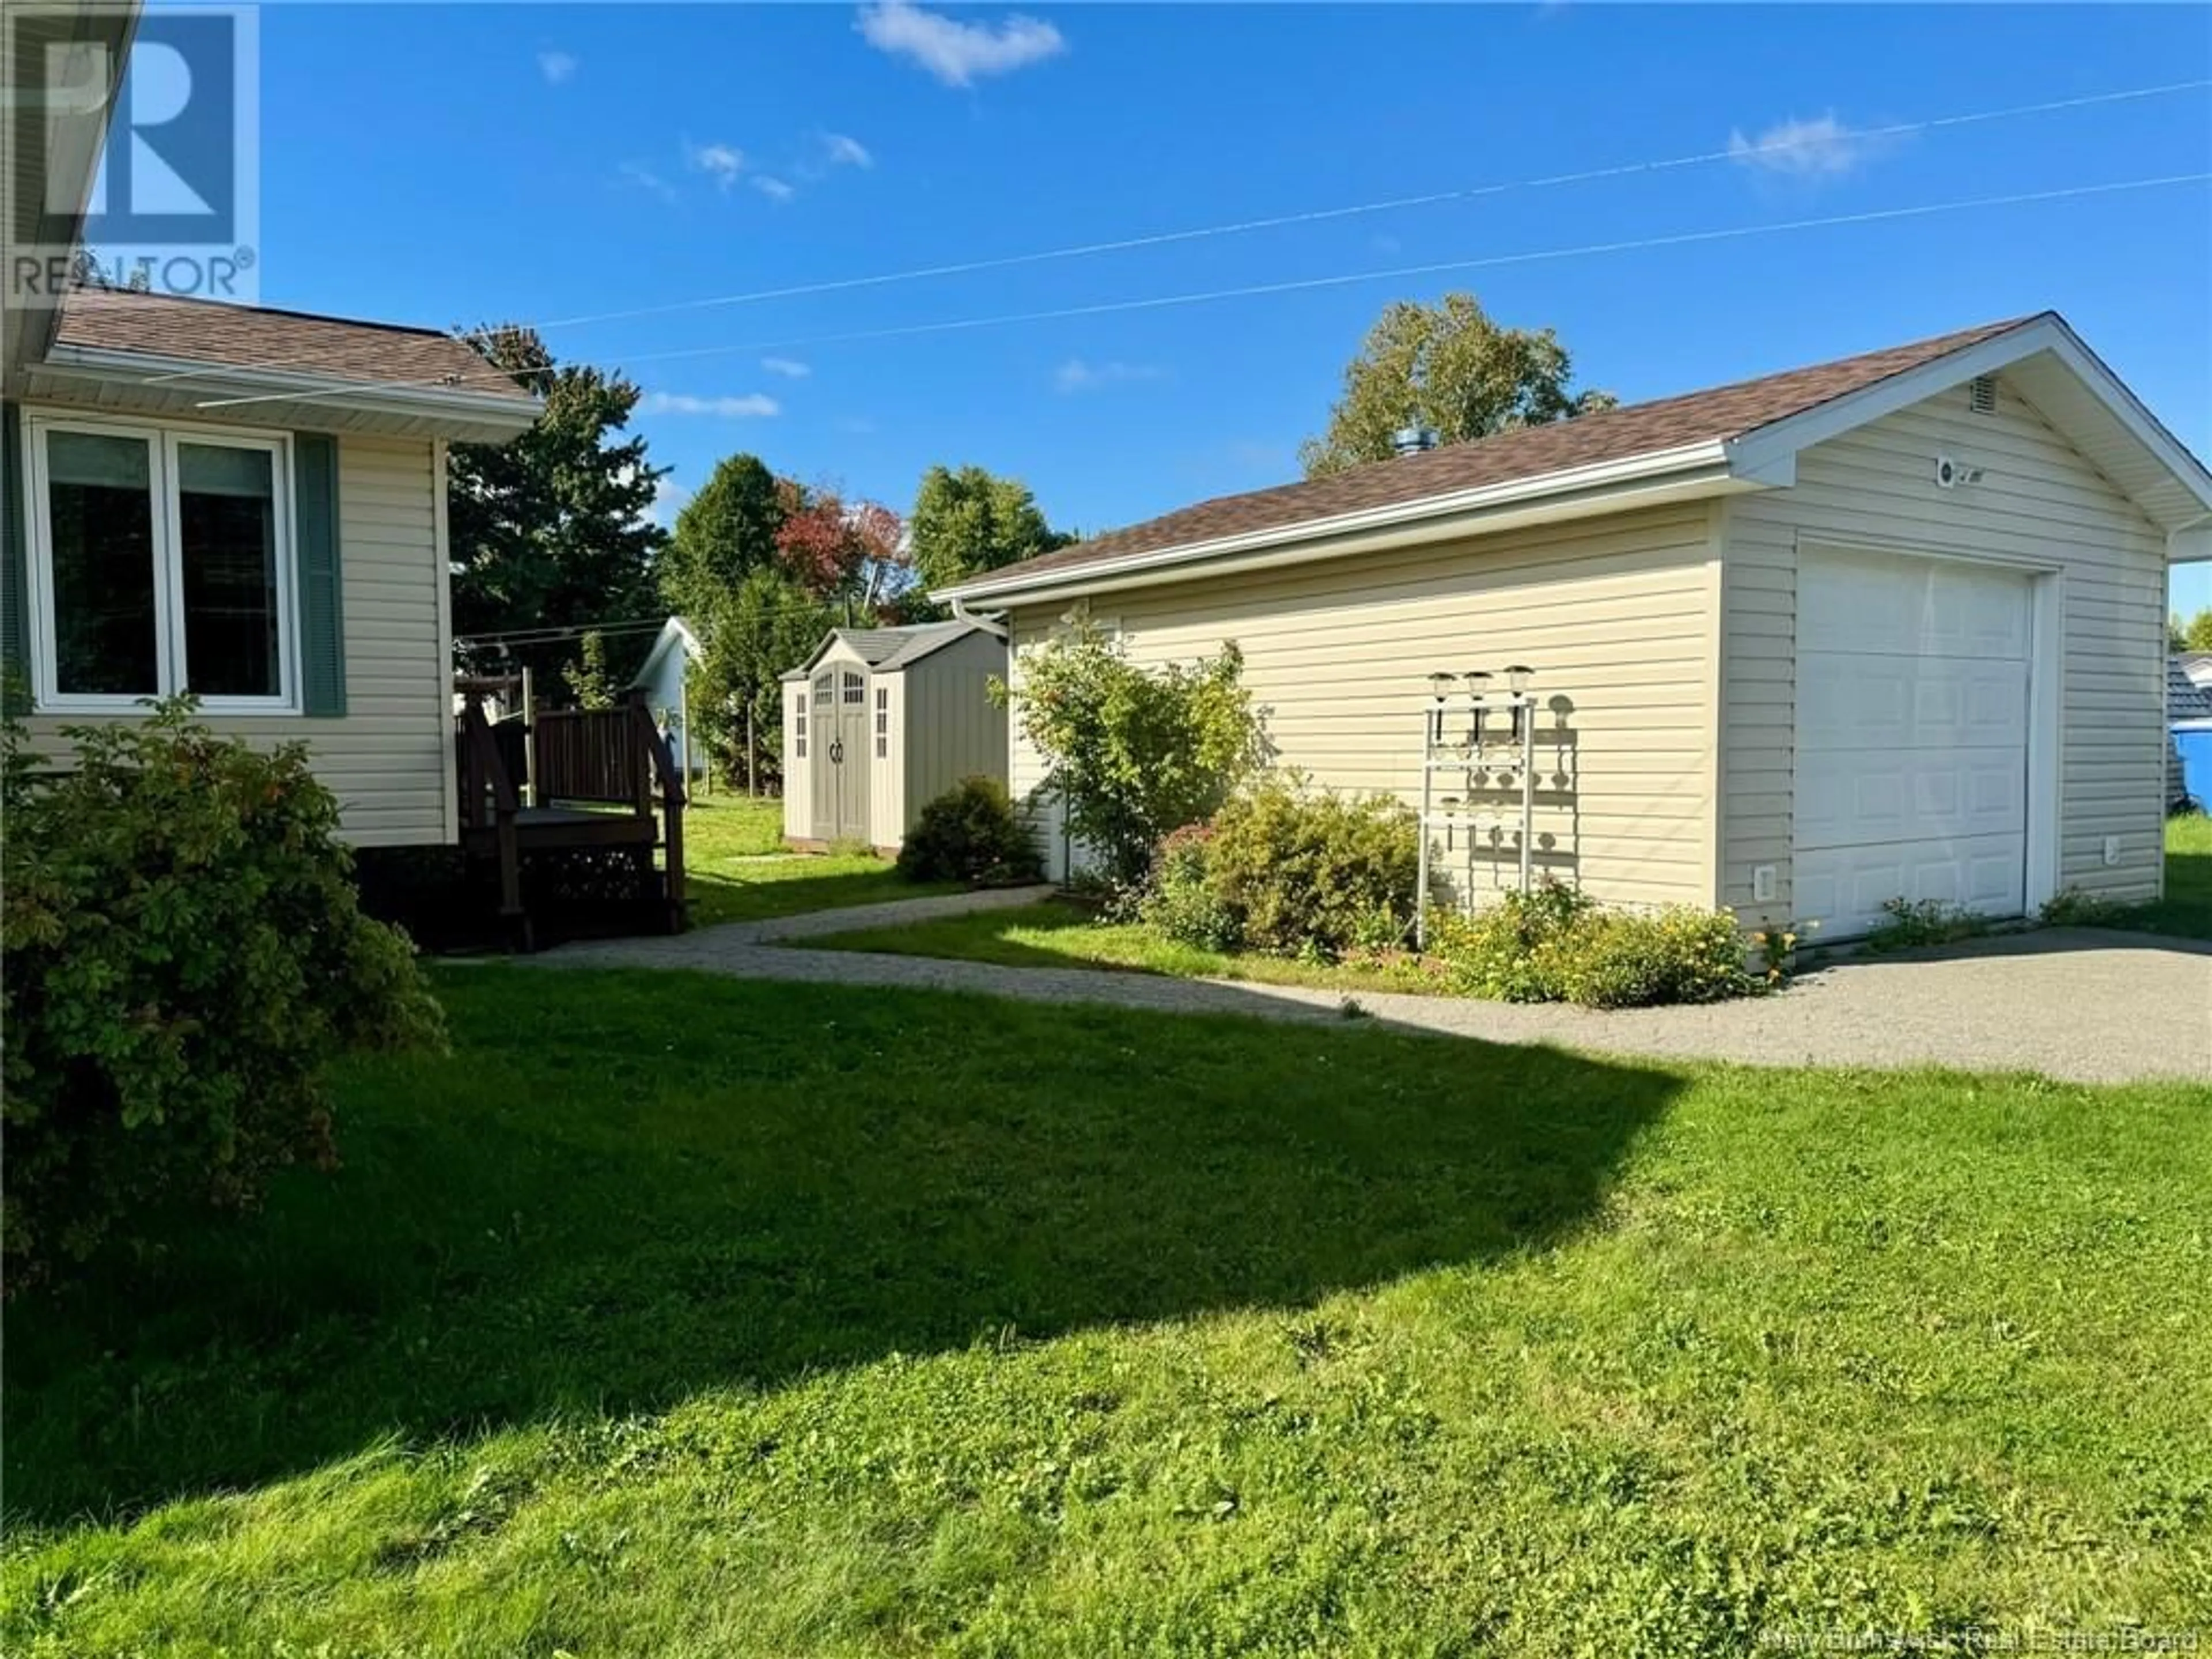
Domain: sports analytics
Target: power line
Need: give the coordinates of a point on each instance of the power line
(1734, 152)
(1681, 239)
(1471, 192)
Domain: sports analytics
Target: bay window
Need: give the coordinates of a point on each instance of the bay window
(162, 563)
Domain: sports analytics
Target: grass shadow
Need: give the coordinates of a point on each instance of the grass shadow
(623, 1188)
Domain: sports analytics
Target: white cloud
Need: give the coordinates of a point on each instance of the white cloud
(751, 404)
(1822, 148)
(557, 67)
(719, 162)
(957, 53)
(790, 368)
(668, 499)
(774, 189)
(647, 180)
(1076, 375)
(845, 152)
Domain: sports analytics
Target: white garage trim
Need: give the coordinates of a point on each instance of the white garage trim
(2045, 668)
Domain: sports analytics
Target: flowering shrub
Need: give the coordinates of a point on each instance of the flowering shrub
(1555, 945)
(186, 954)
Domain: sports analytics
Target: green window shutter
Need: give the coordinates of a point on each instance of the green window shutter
(322, 611)
(15, 568)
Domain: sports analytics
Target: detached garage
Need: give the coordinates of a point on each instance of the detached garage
(1887, 628)
(878, 723)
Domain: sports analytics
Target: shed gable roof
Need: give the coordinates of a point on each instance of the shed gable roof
(887, 649)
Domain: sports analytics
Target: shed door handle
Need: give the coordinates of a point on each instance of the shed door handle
(836, 751)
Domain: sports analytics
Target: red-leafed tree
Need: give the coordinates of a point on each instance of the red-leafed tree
(847, 553)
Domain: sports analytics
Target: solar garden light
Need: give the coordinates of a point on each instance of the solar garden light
(1440, 684)
(1478, 687)
(1518, 676)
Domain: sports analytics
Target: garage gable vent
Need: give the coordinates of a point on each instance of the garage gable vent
(1982, 394)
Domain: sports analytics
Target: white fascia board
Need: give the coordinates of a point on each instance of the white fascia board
(1700, 469)
(512, 416)
(2189, 546)
(1771, 445)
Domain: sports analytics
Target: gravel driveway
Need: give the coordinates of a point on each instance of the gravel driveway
(2074, 1002)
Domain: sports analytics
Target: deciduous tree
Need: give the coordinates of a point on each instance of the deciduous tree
(725, 533)
(966, 521)
(1449, 367)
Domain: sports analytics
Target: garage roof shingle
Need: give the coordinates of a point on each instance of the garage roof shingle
(1721, 412)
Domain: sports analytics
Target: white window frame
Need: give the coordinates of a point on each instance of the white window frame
(171, 669)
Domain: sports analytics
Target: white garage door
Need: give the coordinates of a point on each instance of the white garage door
(1912, 755)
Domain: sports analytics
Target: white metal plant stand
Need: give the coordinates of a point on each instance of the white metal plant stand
(1494, 758)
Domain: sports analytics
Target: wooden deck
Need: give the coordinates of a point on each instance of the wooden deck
(593, 779)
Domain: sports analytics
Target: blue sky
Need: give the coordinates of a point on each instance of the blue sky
(537, 162)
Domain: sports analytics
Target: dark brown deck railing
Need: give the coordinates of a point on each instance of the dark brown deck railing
(599, 756)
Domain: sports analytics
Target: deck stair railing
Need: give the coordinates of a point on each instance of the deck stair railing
(590, 758)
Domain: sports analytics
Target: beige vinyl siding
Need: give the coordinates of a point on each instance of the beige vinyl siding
(1618, 616)
(388, 759)
(2038, 501)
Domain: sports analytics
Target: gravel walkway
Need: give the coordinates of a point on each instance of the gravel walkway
(2073, 1003)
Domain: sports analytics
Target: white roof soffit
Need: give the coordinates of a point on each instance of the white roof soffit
(143, 383)
(1672, 474)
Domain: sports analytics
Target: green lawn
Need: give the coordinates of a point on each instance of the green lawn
(2185, 912)
(736, 867)
(678, 1316)
(1056, 934)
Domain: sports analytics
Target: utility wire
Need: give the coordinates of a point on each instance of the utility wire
(1681, 239)
(1085, 250)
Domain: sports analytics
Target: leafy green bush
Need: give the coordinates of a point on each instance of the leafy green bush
(970, 834)
(1555, 945)
(186, 954)
(1178, 902)
(1625, 959)
(1134, 753)
(1302, 872)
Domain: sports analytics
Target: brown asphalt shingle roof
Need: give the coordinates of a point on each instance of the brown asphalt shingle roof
(295, 342)
(1722, 412)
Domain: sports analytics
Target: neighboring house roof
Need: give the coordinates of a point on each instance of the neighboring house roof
(1741, 435)
(161, 354)
(676, 633)
(2198, 665)
(252, 337)
(889, 649)
(2187, 698)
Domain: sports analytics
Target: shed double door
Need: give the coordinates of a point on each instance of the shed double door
(839, 769)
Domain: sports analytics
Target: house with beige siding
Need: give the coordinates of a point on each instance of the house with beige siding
(249, 505)
(242, 503)
(1889, 627)
(878, 723)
